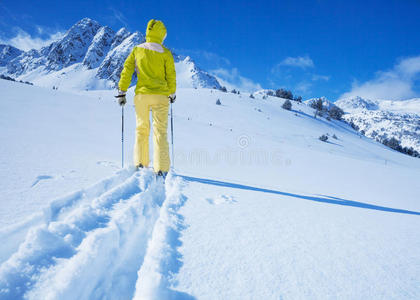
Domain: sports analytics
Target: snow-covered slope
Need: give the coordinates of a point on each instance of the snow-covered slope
(91, 52)
(257, 208)
(264, 93)
(384, 119)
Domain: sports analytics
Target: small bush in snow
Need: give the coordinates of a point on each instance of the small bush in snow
(335, 137)
(251, 96)
(298, 99)
(287, 105)
(354, 126)
(323, 138)
(218, 102)
(223, 89)
(335, 112)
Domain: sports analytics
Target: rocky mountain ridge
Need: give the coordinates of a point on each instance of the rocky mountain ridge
(87, 53)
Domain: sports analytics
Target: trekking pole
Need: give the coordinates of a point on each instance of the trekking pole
(122, 127)
(122, 136)
(172, 139)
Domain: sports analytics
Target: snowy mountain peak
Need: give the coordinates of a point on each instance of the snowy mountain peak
(357, 103)
(191, 76)
(112, 65)
(73, 46)
(186, 59)
(99, 47)
(122, 31)
(119, 37)
(95, 55)
(325, 102)
(85, 23)
(7, 53)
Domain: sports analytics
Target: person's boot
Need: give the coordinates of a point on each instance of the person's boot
(162, 174)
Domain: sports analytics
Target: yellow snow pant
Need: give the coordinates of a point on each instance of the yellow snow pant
(159, 105)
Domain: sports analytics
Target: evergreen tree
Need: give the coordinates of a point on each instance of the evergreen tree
(335, 112)
(287, 105)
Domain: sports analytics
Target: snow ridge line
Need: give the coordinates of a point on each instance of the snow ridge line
(47, 244)
(57, 206)
(162, 261)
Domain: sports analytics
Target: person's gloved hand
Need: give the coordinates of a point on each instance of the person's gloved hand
(121, 98)
(172, 98)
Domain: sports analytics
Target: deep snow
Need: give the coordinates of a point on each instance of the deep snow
(258, 207)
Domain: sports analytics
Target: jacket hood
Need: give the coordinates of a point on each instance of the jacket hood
(155, 32)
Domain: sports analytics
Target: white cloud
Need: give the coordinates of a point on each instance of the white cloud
(316, 77)
(303, 87)
(213, 57)
(395, 84)
(232, 79)
(24, 41)
(119, 16)
(300, 62)
(409, 66)
(204, 57)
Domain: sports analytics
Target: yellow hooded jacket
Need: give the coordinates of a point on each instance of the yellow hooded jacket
(153, 63)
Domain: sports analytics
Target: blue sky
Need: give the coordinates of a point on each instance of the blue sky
(314, 48)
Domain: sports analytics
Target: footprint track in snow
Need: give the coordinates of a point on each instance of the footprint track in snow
(221, 199)
(68, 222)
(94, 242)
(106, 163)
(40, 178)
(107, 259)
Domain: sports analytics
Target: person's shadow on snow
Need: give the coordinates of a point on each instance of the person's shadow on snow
(318, 198)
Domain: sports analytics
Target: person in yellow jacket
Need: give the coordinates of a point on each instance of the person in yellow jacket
(156, 86)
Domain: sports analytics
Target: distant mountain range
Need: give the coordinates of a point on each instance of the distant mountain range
(89, 56)
(385, 119)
